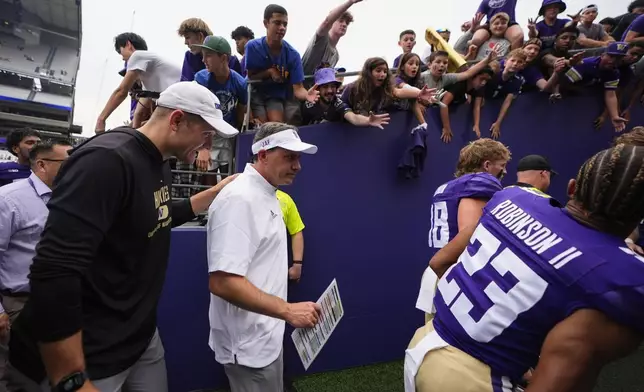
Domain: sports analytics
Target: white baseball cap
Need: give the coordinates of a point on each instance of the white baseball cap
(194, 98)
(287, 139)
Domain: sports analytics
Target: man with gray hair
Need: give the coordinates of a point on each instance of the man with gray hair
(248, 262)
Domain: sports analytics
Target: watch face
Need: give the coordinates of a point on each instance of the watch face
(69, 384)
(72, 383)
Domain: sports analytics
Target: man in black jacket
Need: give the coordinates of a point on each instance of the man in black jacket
(100, 266)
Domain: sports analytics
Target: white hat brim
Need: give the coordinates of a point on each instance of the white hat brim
(222, 128)
(299, 146)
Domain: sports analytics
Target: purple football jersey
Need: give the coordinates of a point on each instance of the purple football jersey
(528, 266)
(444, 213)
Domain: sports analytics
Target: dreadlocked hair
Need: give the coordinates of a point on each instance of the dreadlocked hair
(472, 156)
(635, 137)
(365, 95)
(610, 186)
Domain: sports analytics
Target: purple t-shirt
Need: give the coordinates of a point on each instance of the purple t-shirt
(397, 61)
(499, 88)
(588, 72)
(531, 75)
(444, 212)
(493, 7)
(548, 34)
(528, 266)
(637, 26)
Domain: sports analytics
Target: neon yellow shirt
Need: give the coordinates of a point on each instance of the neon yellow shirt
(292, 217)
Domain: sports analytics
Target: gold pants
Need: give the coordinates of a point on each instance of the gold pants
(449, 369)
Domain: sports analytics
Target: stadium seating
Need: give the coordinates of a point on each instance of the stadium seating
(65, 59)
(53, 99)
(14, 92)
(18, 58)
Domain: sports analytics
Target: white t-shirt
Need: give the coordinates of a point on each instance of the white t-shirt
(247, 237)
(157, 73)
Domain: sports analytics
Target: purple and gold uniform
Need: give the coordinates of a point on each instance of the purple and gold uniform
(528, 266)
(444, 214)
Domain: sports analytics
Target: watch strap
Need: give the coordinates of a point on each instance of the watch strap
(72, 382)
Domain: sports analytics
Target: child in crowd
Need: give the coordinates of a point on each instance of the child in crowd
(437, 77)
(375, 92)
(507, 85)
(564, 41)
(231, 90)
(547, 29)
(408, 74)
(194, 31)
(457, 93)
(498, 25)
(533, 78)
(407, 41)
(490, 8)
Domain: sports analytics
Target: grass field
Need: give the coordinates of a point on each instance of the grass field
(624, 376)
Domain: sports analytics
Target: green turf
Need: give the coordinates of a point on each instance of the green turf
(384, 377)
(624, 376)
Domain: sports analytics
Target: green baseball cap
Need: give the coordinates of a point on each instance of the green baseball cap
(216, 44)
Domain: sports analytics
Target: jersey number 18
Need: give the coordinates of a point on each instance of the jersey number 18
(439, 230)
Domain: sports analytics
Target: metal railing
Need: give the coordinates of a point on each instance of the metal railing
(249, 91)
(250, 82)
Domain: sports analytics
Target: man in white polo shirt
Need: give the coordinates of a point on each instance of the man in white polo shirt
(248, 266)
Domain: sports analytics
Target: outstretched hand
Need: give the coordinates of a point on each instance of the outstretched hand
(619, 123)
(476, 21)
(576, 59)
(378, 120)
(426, 93)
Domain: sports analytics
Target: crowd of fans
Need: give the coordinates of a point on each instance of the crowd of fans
(499, 63)
(559, 56)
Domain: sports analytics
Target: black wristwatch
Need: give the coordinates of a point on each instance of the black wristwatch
(71, 383)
